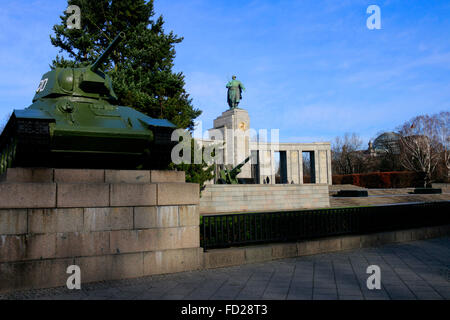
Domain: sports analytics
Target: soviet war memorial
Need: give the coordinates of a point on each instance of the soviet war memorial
(208, 151)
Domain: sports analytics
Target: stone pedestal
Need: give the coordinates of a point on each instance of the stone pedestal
(234, 126)
(113, 224)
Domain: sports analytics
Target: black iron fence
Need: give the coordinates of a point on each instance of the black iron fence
(219, 231)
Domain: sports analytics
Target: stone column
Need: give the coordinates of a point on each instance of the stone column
(323, 167)
(294, 167)
(300, 165)
(316, 172)
(329, 172)
(234, 124)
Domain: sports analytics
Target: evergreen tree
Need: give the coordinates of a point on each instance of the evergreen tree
(140, 67)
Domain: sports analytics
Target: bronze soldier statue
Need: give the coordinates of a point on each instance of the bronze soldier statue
(235, 88)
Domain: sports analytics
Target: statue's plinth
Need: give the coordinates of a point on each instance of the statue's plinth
(233, 125)
(233, 119)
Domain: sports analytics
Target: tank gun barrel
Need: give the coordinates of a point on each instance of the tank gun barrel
(108, 51)
(240, 165)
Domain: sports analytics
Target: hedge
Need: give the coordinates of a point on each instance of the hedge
(394, 179)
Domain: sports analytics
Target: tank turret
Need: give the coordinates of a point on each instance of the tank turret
(74, 122)
(80, 82)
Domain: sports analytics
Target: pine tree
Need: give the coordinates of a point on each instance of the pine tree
(140, 67)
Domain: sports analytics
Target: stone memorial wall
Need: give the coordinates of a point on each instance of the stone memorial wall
(221, 198)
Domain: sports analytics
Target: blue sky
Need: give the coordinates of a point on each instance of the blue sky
(311, 67)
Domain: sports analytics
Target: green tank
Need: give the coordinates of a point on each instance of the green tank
(74, 122)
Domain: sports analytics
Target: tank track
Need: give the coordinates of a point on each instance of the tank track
(24, 142)
(27, 143)
(8, 154)
(160, 150)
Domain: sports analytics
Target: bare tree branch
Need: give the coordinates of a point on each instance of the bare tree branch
(345, 156)
(420, 146)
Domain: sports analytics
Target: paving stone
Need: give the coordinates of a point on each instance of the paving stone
(248, 297)
(349, 291)
(274, 296)
(325, 297)
(342, 297)
(324, 291)
(252, 291)
(427, 295)
(173, 297)
(325, 284)
(376, 296)
(299, 296)
(302, 284)
(104, 293)
(399, 293)
(296, 288)
(444, 291)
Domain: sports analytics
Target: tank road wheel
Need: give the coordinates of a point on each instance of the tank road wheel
(2, 161)
(5, 158)
(11, 152)
(8, 155)
(14, 151)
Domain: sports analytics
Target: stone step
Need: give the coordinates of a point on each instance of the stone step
(372, 192)
(46, 175)
(337, 187)
(394, 191)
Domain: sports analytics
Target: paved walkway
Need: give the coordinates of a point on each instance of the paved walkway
(413, 270)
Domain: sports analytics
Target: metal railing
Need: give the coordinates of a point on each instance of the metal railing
(219, 231)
